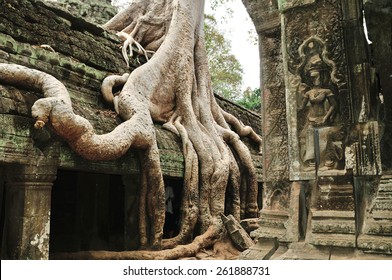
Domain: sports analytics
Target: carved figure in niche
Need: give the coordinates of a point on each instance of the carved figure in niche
(318, 107)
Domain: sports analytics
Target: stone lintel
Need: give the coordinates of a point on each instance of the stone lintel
(271, 25)
(285, 5)
(265, 15)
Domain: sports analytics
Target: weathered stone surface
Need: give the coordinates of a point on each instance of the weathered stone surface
(279, 217)
(237, 233)
(332, 149)
(262, 250)
(313, 50)
(285, 5)
(266, 18)
(376, 229)
(343, 78)
(36, 24)
(306, 251)
(250, 225)
(355, 254)
(276, 219)
(27, 211)
(378, 16)
(332, 213)
(303, 251)
(97, 11)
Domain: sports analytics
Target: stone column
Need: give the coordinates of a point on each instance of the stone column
(279, 215)
(2, 196)
(27, 211)
(376, 228)
(333, 144)
(378, 16)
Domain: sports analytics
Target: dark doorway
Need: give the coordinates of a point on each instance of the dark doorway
(173, 197)
(87, 212)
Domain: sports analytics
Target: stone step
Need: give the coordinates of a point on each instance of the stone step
(383, 200)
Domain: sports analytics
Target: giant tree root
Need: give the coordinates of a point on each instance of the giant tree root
(205, 240)
(172, 88)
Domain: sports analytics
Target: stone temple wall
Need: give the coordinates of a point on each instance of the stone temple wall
(325, 119)
(96, 11)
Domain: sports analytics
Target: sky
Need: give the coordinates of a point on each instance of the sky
(236, 30)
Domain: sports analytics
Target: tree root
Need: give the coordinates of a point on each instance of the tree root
(243, 131)
(173, 88)
(207, 239)
(107, 89)
(128, 43)
(136, 131)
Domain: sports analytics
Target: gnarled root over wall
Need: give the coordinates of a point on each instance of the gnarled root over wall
(173, 88)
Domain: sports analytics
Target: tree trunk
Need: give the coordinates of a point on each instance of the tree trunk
(174, 88)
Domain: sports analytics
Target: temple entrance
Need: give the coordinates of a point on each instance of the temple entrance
(173, 196)
(87, 212)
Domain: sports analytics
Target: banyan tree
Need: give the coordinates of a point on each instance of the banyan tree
(173, 88)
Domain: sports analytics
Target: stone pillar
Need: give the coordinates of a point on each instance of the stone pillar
(376, 227)
(279, 216)
(2, 196)
(378, 16)
(333, 144)
(27, 211)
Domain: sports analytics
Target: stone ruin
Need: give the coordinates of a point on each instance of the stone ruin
(325, 176)
(327, 185)
(54, 201)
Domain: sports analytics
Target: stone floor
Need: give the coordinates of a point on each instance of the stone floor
(272, 250)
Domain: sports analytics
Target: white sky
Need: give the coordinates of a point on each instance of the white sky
(236, 30)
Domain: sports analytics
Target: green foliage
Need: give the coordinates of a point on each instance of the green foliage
(215, 4)
(251, 99)
(226, 71)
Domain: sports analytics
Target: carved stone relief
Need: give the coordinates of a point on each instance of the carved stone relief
(274, 113)
(317, 99)
(320, 139)
(267, 20)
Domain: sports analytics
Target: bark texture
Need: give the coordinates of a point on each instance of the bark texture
(173, 88)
